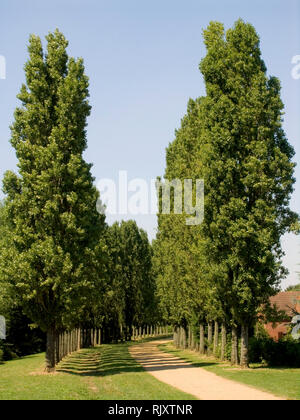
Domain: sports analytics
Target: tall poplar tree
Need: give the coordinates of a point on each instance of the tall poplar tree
(233, 139)
(248, 171)
(131, 287)
(51, 202)
(179, 268)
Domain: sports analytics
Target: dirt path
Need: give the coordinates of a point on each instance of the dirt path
(193, 380)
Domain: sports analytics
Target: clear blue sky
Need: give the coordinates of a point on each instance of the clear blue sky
(142, 59)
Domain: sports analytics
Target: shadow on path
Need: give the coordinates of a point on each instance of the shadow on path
(148, 355)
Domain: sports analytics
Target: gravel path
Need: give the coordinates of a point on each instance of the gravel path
(193, 380)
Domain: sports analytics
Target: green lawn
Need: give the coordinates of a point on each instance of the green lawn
(282, 382)
(102, 373)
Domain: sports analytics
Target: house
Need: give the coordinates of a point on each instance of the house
(289, 302)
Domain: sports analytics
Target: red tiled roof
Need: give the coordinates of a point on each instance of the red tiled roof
(286, 301)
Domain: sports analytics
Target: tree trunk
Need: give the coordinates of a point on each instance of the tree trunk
(209, 337)
(184, 331)
(181, 338)
(176, 336)
(51, 350)
(78, 339)
(244, 346)
(202, 339)
(234, 347)
(130, 332)
(216, 337)
(192, 341)
(189, 337)
(223, 346)
(57, 345)
(67, 342)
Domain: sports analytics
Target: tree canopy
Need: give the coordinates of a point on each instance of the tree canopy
(51, 202)
(233, 139)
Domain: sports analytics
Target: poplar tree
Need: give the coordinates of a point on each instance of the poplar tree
(178, 264)
(233, 139)
(131, 290)
(248, 171)
(6, 293)
(51, 201)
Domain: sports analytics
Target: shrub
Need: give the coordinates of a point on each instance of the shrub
(285, 352)
(7, 352)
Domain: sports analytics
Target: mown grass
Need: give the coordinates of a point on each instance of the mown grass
(107, 372)
(283, 382)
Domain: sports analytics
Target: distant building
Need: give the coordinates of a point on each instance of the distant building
(289, 302)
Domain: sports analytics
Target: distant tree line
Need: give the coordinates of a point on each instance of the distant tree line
(295, 288)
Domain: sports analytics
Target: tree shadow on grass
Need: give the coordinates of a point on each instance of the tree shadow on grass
(114, 359)
(102, 361)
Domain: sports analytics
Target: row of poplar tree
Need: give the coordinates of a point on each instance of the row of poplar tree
(60, 263)
(224, 270)
(65, 267)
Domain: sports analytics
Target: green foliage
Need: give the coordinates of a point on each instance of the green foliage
(285, 352)
(52, 262)
(228, 267)
(129, 296)
(260, 331)
(227, 353)
(248, 170)
(295, 288)
(6, 293)
(178, 264)
(7, 352)
(22, 337)
(270, 313)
